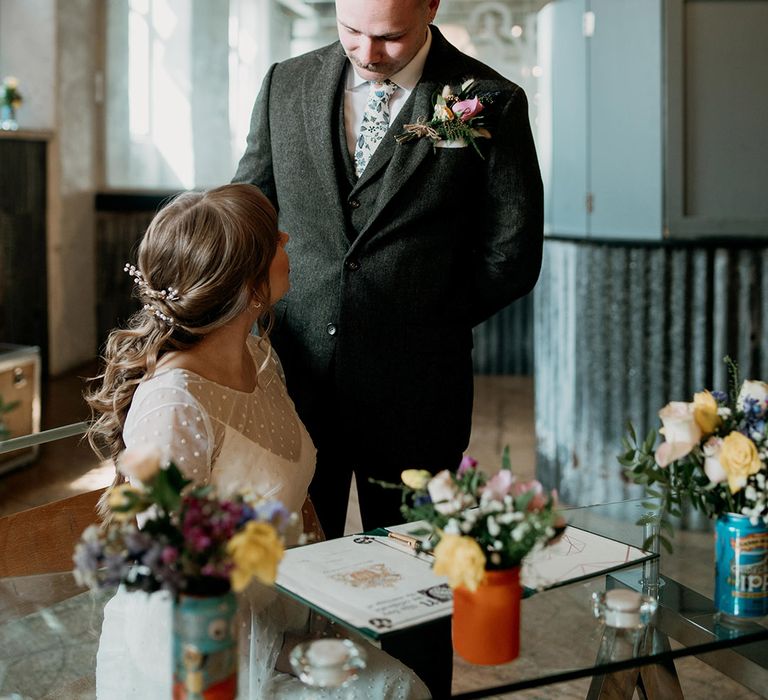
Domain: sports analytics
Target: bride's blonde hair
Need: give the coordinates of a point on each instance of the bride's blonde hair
(203, 259)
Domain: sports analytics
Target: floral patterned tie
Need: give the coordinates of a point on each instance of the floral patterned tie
(375, 122)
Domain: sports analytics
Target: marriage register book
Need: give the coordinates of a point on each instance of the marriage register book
(380, 585)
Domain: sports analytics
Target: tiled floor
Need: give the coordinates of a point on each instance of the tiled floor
(503, 416)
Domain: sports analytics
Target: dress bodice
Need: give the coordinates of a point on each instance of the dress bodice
(233, 439)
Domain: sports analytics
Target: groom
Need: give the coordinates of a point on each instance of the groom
(397, 249)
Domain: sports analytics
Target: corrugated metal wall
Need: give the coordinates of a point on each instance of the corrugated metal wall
(504, 343)
(620, 330)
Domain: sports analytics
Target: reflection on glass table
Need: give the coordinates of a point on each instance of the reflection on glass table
(49, 629)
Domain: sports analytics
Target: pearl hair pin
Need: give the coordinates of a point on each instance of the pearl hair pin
(168, 294)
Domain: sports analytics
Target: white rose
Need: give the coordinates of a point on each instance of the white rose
(140, 463)
(444, 493)
(753, 389)
(679, 422)
(681, 432)
(712, 467)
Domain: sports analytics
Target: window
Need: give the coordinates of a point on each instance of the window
(182, 75)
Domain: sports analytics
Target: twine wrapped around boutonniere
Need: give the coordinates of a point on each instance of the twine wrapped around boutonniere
(457, 116)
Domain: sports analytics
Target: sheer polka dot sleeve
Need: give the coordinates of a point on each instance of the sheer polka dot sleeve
(165, 414)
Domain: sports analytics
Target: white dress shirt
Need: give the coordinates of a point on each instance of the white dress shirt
(356, 92)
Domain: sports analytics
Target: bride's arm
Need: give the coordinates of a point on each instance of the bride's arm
(312, 528)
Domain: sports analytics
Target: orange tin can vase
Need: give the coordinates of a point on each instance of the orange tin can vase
(486, 622)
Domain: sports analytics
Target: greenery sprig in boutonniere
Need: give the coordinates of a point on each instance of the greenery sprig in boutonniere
(457, 115)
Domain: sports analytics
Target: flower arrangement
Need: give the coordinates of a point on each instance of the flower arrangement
(474, 523)
(457, 116)
(9, 94)
(714, 455)
(191, 541)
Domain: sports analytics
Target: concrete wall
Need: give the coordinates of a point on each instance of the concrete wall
(51, 46)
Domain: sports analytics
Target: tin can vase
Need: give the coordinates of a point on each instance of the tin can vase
(741, 566)
(205, 647)
(486, 622)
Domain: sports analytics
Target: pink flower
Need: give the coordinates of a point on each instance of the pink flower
(467, 464)
(169, 555)
(468, 109)
(538, 501)
(499, 485)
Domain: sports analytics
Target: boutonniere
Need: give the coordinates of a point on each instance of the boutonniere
(457, 118)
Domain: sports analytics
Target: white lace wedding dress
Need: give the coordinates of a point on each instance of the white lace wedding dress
(234, 440)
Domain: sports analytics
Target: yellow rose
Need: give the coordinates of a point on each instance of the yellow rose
(416, 479)
(738, 457)
(461, 560)
(705, 412)
(256, 551)
(125, 502)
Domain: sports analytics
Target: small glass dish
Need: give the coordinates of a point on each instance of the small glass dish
(327, 663)
(623, 609)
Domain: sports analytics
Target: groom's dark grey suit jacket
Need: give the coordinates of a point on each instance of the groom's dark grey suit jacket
(389, 273)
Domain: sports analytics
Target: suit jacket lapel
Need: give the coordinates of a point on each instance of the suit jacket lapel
(320, 92)
(401, 160)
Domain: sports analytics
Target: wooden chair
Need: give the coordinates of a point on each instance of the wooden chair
(41, 540)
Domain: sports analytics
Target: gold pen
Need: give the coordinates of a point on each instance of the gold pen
(407, 540)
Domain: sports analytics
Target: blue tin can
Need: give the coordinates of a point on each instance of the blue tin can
(205, 647)
(741, 566)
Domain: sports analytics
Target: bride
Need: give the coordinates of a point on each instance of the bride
(188, 377)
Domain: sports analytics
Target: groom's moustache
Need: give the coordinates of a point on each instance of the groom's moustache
(372, 67)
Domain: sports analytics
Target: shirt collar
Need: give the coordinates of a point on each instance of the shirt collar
(406, 78)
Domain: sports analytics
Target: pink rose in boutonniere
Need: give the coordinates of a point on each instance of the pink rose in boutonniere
(457, 118)
(467, 109)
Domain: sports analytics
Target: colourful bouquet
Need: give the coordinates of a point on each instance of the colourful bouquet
(475, 523)
(190, 542)
(457, 116)
(714, 455)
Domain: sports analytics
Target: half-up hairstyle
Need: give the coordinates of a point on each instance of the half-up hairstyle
(203, 259)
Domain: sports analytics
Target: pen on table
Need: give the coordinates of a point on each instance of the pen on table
(404, 539)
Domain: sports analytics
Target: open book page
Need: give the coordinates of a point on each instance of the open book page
(577, 554)
(373, 583)
(381, 585)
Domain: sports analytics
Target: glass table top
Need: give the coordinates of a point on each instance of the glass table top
(49, 628)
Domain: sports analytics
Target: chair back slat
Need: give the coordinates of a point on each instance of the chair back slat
(41, 540)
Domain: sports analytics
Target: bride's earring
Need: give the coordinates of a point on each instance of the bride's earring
(256, 305)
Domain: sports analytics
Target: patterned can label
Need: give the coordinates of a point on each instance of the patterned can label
(741, 566)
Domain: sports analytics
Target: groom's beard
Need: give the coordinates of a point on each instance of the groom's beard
(384, 70)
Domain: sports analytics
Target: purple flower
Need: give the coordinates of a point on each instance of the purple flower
(169, 555)
(467, 464)
(197, 538)
(272, 512)
(137, 542)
